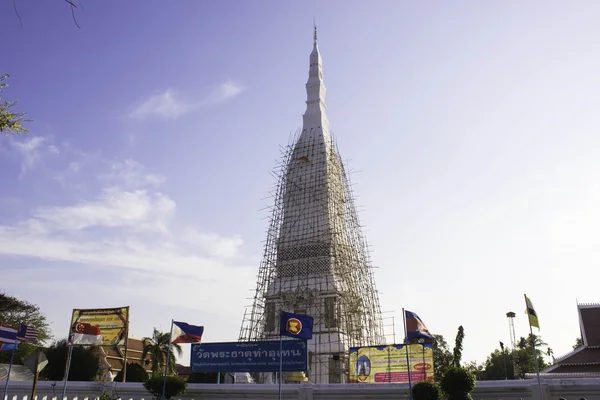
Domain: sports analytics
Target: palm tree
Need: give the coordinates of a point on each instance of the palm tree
(157, 348)
(537, 340)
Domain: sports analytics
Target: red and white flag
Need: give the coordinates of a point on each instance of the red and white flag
(84, 333)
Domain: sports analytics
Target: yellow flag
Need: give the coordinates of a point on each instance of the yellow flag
(533, 318)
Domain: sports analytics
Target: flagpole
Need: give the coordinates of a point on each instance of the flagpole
(67, 371)
(36, 373)
(423, 360)
(280, 363)
(125, 355)
(167, 363)
(537, 368)
(407, 356)
(9, 368)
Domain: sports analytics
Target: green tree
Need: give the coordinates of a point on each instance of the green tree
(14, 312)
(157, 347)
(521, 358)
(578, 343)
(174, 387)
(135, 373)
(458, 383)
(10, 120)
(494, 366)
(458, 347)
(475, 369)
(84, 363)
(442, 357)
(426, 391)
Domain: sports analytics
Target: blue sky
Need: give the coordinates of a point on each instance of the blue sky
(471, 129)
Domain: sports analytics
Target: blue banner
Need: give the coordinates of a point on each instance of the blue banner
(249, 356)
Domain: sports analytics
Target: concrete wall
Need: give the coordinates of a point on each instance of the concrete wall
(569, 389)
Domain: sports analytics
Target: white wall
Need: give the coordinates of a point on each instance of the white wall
(570, 389)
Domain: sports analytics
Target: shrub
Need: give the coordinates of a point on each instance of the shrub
(426, 391)
(457, 383)
(135, 373)
(174, 387)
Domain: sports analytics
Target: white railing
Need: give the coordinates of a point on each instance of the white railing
(552, 389)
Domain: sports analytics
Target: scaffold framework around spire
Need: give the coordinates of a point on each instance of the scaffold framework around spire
(316, 259)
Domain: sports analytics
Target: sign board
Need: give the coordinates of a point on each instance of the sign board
(388, 364)
(36, 361)
(99, 327)
(249, 356)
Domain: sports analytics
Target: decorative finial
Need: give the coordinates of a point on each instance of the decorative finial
(315, 26)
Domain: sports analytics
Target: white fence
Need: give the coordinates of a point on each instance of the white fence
(552, 389)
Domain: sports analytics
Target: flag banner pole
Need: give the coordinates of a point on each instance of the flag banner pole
(167, 363)
(406, 348)
(67, 371)
(125, 355)
(36, 373)
(424, 371)
(537, 368)
(12, 356)
(280, 363)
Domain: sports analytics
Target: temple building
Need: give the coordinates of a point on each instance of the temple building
(316, 260)
(584, 360)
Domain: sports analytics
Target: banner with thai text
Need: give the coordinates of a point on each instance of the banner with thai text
(388, 364)
(99, 327)
(249, 356)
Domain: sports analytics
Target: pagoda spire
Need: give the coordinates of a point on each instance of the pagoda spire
(315, 90)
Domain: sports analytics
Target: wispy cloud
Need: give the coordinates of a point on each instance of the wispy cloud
(164, 105)
(130, 174)
(169, 105)
(32, 149)
(128, 228)
(223, 92)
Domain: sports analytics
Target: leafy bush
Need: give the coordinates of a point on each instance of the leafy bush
(135, 373)
(174, 387)
(426, 391)
(106, 396)
(84, 363)
(457, 383)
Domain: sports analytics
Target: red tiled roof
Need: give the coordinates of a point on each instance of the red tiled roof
(589, 355)
(115, 356)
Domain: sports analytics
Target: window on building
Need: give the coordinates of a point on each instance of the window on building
(331, 312)
(270, 317)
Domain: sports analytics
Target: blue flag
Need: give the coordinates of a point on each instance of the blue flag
(296, 325)
(415, 328)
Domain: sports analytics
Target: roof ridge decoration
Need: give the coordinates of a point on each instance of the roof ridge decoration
(588, 305)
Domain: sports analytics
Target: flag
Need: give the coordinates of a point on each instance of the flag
(84, 333)
(7, 346)
(27, 334)
(296, 325)
(502, 346)
(415, 328)
(533, 318)
(8, 335)
(186, 333)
